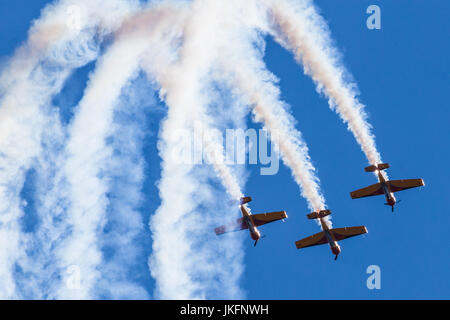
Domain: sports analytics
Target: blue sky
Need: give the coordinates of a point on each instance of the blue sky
(402, 72)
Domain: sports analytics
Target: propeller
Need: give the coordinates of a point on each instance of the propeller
(256, 242)
(396, 204)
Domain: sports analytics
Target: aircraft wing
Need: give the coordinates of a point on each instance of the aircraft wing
(239, 224)
(399, 185)
(344, 233)
(263, 218)
(314, 240)
(373, 190)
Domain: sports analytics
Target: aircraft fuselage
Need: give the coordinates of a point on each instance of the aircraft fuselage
(334, 246)
(254, 232)
(390, 198)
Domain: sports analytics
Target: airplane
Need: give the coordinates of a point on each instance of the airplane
(330, 236)
(251, 221)
(388, 188)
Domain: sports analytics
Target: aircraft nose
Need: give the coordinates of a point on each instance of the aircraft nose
(256, 235)
(336, 250)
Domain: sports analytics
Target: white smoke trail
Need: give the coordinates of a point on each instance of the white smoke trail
(123, 265)
(28, 81)
(38, 272)
(197, 65)
(267, 108)
(88, 153)
(64, 38)
(87, 185)
(124, 225)
(245, 70)
(188, 260)
(298, 27)
(184, 264)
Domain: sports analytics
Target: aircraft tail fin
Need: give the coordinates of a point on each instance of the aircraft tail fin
(380, 166)
(320, 214)
(245, 200)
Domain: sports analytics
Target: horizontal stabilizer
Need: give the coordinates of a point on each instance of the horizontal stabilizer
(245, 200)
(320, 214)
(381, 166)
